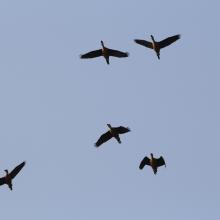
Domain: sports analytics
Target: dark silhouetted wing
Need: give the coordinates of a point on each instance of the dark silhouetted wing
(145, 161)
(2, 181)
(144, 43)
(105, 137)
(121, 130)
(161, 162)
(166, 42)
(117, 53)
(92, 54)
(16, 170)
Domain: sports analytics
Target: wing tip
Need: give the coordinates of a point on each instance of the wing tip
(128, 129)
(178, 36)
(96, 145)
(141, 166)
(23, 163)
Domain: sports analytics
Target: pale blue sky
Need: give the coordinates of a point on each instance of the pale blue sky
(54, 106)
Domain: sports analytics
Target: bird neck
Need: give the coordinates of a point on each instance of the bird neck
(102, 43)
(6, 171)
(110, 127)
(152, 37)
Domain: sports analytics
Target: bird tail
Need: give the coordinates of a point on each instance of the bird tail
(118, 139)
(158, 55)
(107, 60)
(10, 186)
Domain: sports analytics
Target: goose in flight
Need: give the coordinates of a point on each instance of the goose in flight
(112, 132)
(153, 162)
(158, 45)
(7, 179)
(105, 52)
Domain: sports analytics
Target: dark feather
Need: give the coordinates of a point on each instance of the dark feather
(145, 161)
(160, 162)
(166, 42)
(144, 43)
(105, 137)
(92, 54)
(2, 181)
(121, 130)
(16, 170)
(117, 53)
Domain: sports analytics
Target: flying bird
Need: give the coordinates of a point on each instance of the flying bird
(105, 52)
(7, 179)
(157, 46)
(112, 132)
(153, 162)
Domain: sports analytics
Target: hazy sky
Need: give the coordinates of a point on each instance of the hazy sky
(54, 106)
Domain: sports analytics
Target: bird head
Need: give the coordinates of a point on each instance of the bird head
(109, 126)
(6, 172)
(151, 155)
(102, 43)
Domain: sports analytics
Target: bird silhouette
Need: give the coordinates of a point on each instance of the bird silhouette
(112, 132)
(157, 46)
(153, 162)
(105, 52)
(7, 179)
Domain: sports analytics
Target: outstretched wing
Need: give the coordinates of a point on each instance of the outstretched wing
(16, 170)
(92, 54)
(2, 181)
(121, 130)
(105, 137)
(144, 43)
(166, 42)
(145, 161)
(117, 53)
(161, 162)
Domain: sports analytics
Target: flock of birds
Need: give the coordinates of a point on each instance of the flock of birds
(107, 52)
(113, 131)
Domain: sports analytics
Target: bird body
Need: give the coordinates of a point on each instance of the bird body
(112, 132)
(7, 179)
(157, 46)
(153, 162)
(105, 52)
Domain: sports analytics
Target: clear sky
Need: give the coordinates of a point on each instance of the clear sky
(54, 106)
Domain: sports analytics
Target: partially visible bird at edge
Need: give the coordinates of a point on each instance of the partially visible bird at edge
(7, 179)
